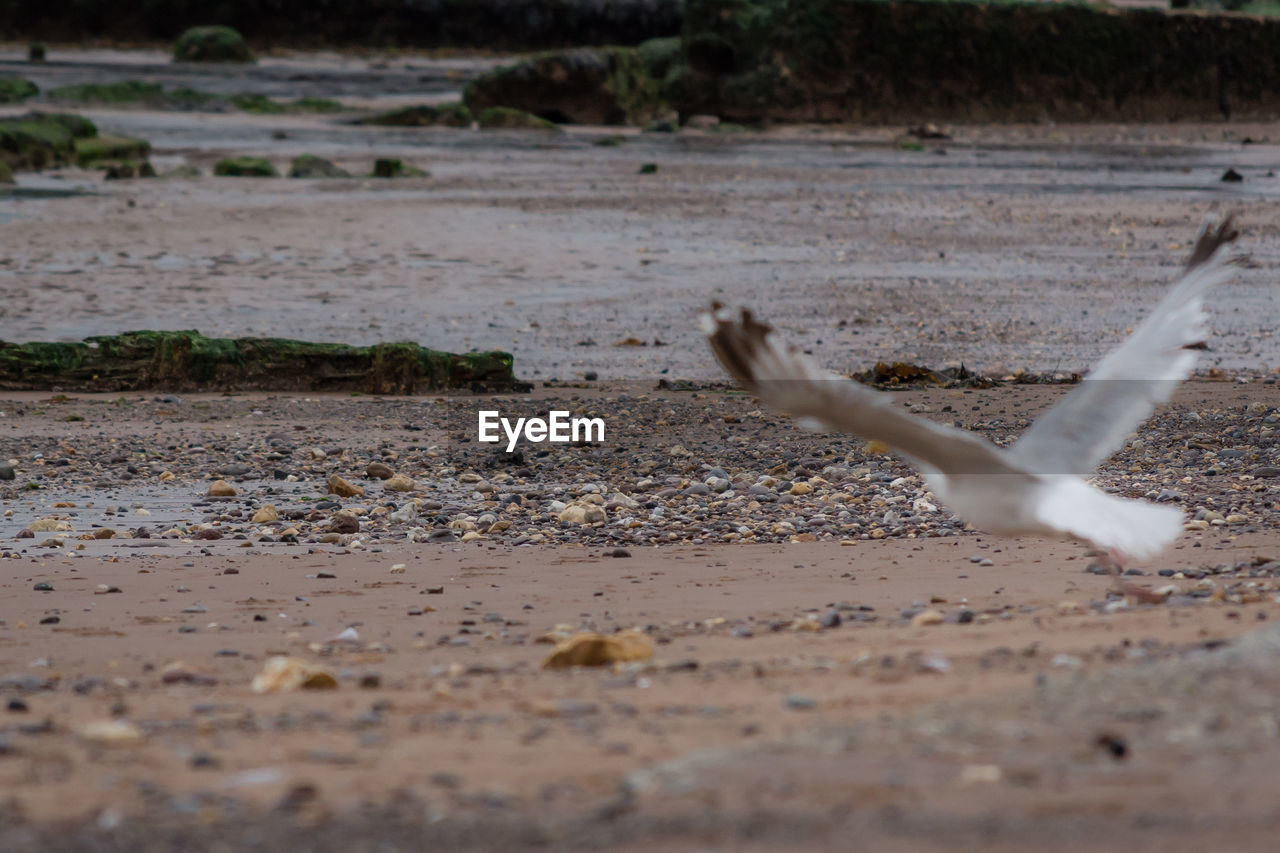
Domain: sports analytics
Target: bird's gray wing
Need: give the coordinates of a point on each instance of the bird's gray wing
(793, 383)
(1091, 423)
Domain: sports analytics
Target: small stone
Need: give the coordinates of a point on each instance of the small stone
(399, 483)
(583, 514)
(266, 513)
(110, 733)
(379, 471)
(43, 586)
(831, 619)
(344, 522)
(618, 552)
(284, 674)
(343, 489)
(7, 472)
(927, 617)
(221, 489)
(799, 489)
(796, 702)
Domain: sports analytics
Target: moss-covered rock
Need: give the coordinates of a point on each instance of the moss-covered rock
(182, 173)
(908, 60)
(606, 85)
(495, 118)
(311, 166)
(188, 361)
(6, 172)
(120, 92)
(211, 44)
(94, 149)
(454, 114)
(126, 169)
(245, 167)
(42, 140)
(15, 89)
(36, 52)
(391, 167)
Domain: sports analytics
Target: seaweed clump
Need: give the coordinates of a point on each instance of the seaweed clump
(211, 44)
(189, 361)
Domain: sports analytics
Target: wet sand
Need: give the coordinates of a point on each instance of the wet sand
(1036, 714)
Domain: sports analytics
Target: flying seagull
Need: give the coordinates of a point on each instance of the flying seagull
(1037, 485)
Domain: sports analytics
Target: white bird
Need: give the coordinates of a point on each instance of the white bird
(1036, 485)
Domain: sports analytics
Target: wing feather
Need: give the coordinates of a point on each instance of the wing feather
(1091, 423)
(792, 382)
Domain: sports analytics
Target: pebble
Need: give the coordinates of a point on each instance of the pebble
(796, 702)
(221, 489)
(344, 522)
(582, 514)
(266, 513)
(927, 617)
(379, 471)
(343, 489)
(399, 483)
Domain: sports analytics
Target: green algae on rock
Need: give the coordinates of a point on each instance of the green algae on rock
(189, 361)
(592, 85)
(392, 167)
(119, 92)
(15, 89)
(211, 44)
(97, 148)
(245, 167)
(311, 166)
(496, 118)
(42, 140)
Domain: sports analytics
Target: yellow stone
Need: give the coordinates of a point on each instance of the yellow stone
(927, 617)
(221, 489)
(266, 513)
(343, 489)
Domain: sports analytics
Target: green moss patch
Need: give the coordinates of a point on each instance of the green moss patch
(311, 166)
(42, 140)
(391, 167)
(121, 92)
(93, 149)
(607, 85)
(126, 169)
(6, 172)
(453, 114)
(189, 361)
(508, 117)
(211, 44)
(16, 89)
(245, 167)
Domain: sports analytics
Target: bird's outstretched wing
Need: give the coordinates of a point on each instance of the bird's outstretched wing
(793, 383)
(1091, 423)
